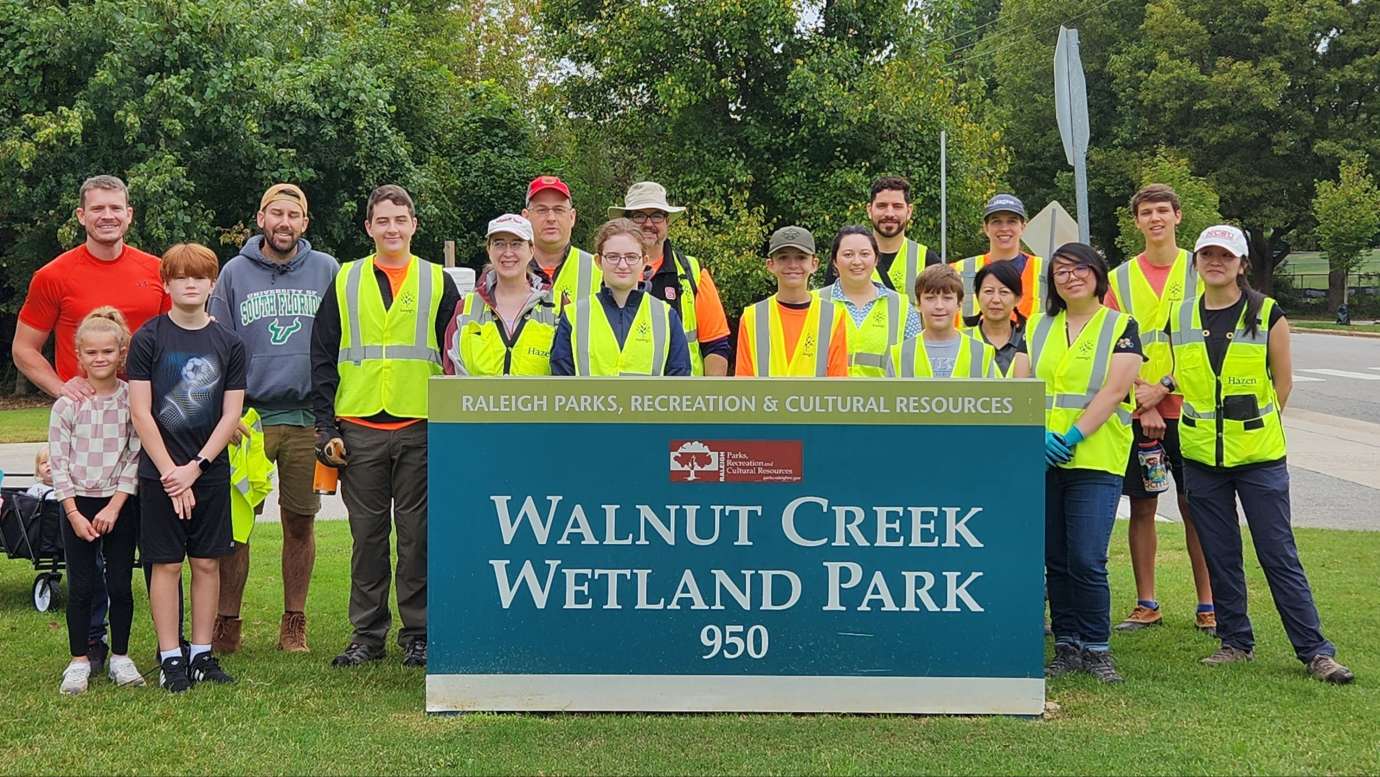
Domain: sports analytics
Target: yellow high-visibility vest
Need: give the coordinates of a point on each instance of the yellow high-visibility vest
(1137, 299)
(767, 343)
(251, 476)
(975, 359)
(905, 268)
(595, 346)
(883, 328)
(386, 355)
(579, 277)
(481, 347)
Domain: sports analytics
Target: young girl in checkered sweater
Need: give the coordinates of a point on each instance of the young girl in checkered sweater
(94, 454)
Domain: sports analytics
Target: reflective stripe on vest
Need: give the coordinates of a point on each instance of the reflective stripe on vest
(974, 358)
(572, 285)
(1031, 283)
(867, 357)
(686, 307)
(905, 268)
(1108, 448)
(1207, 434)
(419, 349)
(479, 346)
(766, 330)
(596, 348)
(1138, 299)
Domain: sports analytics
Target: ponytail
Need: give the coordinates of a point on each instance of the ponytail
(104, 320)
(1254, 299)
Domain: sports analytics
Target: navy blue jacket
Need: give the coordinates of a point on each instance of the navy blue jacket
(677, 355)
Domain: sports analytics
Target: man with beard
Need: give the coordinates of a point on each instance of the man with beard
(268, 295)
(100, 271)
(900, 259)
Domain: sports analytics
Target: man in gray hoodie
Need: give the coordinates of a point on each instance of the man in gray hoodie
(268, 295)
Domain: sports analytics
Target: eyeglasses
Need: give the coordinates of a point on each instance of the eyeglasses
(656, 217)
(544, 211)
(1077, 271)
(507, 245)
(631, 260)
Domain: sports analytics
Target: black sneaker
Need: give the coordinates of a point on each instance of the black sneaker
(96, 653)
(1067, 660)
(414, 653)
(172, 674)
(358, 653)
(206, 669)
(1098, 663)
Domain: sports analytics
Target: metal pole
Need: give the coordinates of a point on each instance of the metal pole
(943, 196)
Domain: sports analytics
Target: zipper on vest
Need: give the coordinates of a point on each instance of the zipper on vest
(1218, 443)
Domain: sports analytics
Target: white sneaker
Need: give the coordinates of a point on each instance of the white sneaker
(75, 678)
(124, 673)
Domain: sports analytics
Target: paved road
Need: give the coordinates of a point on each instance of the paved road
(1337, 375)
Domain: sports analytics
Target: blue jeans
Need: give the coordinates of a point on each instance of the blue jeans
(1080, 509)
(1264, 495)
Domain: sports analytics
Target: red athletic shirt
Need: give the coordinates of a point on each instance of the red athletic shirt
(64, 290)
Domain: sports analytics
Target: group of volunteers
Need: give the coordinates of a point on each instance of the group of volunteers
(181, 385)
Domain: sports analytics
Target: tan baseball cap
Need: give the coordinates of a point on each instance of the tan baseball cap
(286, 192)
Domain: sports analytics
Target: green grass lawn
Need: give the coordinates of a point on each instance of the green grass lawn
(28, 424)
(295, 714)
(1311, 267)
(1296, 324)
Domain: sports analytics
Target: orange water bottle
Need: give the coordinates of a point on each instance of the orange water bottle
(325, 479)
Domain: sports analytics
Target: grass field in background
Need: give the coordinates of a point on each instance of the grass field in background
(294, 714)
(1310, 268)
(1333, 325)
(29, 424)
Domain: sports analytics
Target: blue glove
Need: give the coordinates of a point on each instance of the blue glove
(1057, 450)
(1073, 436)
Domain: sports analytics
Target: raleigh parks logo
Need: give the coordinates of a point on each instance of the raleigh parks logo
(736, 461)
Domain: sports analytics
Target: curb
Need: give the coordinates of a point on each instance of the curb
(1342, 332)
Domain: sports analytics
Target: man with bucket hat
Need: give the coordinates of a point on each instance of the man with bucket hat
(682, 282)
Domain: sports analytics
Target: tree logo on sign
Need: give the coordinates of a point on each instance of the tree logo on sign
(692, 458)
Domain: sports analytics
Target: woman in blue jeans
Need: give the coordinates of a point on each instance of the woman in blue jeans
(1088, 356)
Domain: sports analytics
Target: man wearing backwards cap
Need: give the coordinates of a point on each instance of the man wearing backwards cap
(268, 295)
(682, 282)
(1003, 221)
(792, 333)
(568, 272)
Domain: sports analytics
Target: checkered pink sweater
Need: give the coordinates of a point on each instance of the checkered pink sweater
(92, 446)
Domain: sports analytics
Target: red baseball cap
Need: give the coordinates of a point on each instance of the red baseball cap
(543, 182)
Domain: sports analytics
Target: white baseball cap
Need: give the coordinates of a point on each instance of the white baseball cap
(511, 224)
(1225, 236)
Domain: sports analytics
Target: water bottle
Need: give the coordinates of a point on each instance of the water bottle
(1154, 474)
(324, 479)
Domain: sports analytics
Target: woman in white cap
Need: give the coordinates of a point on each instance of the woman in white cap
(506, 325)
(1233, 367)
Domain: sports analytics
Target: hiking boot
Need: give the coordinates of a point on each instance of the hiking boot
(172, 674)
(358, 653)
(96, 653)
(124, 673)
(1229, 655)
(1140, 618)
(414, 654)
(1327, 669)
(1067, 660)
(1098, 663)
(1207, 623)
(292, 633)
(75, 678)
(206, 669)
(225, 634)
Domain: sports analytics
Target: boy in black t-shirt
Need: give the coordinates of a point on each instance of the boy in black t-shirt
(186, 383)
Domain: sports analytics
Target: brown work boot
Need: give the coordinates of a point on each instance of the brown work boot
(1207, 623)
(1140, 618)
(292, 633)
(225, 635)
(1228, 655)
(1327, 669)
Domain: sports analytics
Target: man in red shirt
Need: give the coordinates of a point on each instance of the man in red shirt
(101, 271)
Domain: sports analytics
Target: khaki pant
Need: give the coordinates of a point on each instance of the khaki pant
(293, 450)
(384, 485)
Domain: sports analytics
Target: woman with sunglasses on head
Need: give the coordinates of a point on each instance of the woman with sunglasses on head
(621, 330)
(1087, 355)
(1232, 365)
(506, 325)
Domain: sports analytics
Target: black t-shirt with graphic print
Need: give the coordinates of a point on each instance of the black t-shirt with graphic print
(189, 371)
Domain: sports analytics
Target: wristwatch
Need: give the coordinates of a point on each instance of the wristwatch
(203, 463)
(1168, 382)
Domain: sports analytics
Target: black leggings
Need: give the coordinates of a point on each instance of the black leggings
(83, 576)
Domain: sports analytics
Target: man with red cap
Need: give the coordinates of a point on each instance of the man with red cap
(568, 272)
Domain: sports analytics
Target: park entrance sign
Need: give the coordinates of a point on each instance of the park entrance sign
(811, 545)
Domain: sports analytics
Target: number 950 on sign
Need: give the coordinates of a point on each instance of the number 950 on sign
(734, 641)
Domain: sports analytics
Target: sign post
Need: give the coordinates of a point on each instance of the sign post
(1071, 111)
(796, 545)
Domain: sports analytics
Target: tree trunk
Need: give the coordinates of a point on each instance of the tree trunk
(1336, 289)
(1262, 260)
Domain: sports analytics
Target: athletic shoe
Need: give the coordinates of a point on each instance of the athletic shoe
(1229, 655)
(124, 673)
(414, 654)
(96, 653)
(1207, 623)
(1098, 663)
(1066, 661)
(75, 678)
(292, 633)
(1327, 669)
(358, 653)
(1140, 618)
(206, 669)
(172, 674)
(225, 634)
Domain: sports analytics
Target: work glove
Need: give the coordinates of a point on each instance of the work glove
(1057, 449)
(330, 449)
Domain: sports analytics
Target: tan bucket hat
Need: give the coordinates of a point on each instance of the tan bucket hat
(642, 196)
